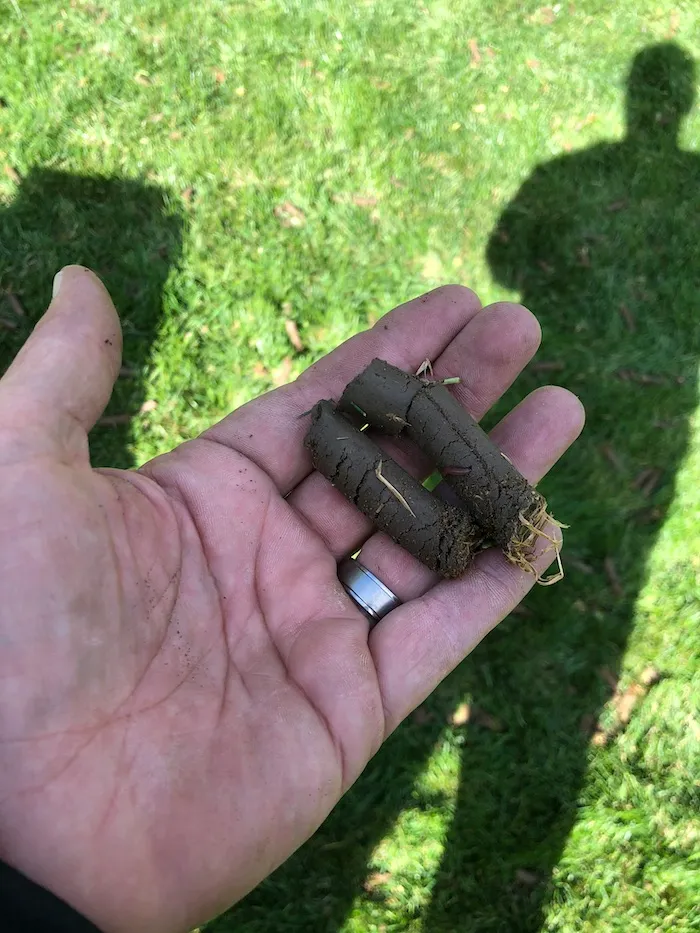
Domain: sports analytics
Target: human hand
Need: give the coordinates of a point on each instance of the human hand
(185, 688)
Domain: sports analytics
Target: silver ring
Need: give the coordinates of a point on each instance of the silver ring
(366, 590)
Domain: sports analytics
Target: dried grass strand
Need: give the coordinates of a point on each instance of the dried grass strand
(392, 489)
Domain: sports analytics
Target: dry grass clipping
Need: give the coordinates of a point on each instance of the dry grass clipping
(392, 489)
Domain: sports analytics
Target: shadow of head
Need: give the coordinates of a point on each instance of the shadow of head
(660, 91)
(126, 231)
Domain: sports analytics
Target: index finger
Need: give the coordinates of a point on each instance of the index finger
(270, 432)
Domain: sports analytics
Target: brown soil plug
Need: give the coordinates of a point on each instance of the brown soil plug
(441, 536)
(499, 499)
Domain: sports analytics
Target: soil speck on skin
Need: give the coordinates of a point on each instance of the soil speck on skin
(108, 341)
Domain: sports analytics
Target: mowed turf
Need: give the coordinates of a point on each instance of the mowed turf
(256, 181)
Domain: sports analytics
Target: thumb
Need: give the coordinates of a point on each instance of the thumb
(62, 378)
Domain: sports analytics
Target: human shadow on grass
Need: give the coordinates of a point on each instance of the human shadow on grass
(602, 246)
(123, 230)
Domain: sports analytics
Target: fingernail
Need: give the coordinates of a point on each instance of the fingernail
(57, 283)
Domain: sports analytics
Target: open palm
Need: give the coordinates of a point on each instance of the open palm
(185, 688)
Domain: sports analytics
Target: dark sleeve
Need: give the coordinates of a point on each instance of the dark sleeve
(27, 908)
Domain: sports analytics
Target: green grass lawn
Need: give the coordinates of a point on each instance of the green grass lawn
(229, 167)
